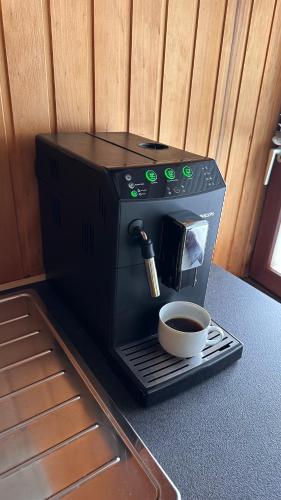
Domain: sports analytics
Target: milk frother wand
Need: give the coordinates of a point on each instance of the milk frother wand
(135, 229)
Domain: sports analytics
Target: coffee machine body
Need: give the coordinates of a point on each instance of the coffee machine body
(99, 195)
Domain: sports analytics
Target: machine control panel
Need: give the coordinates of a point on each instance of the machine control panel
(168, 181)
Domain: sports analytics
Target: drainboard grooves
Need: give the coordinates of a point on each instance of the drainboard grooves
(86, 478)
(47, 452)
(17, 339)
(30, 386)
(39, 415)
(17, 318)
(25, 360)
(58, 429)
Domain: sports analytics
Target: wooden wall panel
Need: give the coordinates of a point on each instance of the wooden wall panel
(25, 51)
(72, 62)
(10, 256)
(229, 78)
(244, 122)
(148, 30)
(180, 40)
(265, 123)
(112, 22)
(199, 74)
(204, 76)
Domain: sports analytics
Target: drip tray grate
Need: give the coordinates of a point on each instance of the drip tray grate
(151, 365)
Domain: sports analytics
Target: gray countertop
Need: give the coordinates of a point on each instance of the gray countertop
(222, 438)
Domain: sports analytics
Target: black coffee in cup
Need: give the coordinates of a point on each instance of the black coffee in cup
(184, 324)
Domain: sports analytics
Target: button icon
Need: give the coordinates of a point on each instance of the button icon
(134, 194)
(170, 174)
(131, 185)
(128, 177)
(187, 171)
(151, 175)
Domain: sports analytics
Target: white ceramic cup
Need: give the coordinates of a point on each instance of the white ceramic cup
(186, 344)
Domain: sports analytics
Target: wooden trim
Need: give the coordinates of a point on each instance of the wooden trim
(23, 282)
(270, 223)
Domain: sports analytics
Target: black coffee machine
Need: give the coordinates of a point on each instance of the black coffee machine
(129, 224)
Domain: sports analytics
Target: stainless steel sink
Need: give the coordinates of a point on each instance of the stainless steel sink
(60, 434)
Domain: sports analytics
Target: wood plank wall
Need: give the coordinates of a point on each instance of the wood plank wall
(204, 75)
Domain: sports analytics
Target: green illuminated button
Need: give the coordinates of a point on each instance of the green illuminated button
(187, 171)
(134, 194)
(151, 175)
(170, 174)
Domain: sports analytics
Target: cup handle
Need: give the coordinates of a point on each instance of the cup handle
(214, 328)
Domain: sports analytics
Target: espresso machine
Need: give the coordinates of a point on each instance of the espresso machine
(129, 224)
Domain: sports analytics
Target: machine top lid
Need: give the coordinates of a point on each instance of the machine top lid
(119, 150)
(94, 151)
(157, 152)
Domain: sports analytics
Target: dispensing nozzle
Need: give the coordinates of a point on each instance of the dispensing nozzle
(149, 263)
(147, 251)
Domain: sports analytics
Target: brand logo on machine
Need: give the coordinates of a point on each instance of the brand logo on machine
(208, 214)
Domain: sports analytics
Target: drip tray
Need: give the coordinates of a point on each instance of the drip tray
(155, 370)
(60, 435)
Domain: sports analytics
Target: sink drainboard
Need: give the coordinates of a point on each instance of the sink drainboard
(60, 435)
